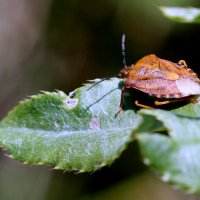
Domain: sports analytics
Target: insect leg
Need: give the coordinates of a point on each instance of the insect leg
(142, 105)
(182, 62)
(121, 101)
(159, 103)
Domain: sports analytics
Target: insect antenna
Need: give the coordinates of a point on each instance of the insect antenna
(103, 79)
(123, 50)
(123, 60)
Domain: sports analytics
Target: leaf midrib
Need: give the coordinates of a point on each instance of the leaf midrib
(65, 132)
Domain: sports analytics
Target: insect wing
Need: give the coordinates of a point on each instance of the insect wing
(162, 78)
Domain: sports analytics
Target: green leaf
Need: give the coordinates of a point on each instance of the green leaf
(79, 132)
(174, 157)
(75, 132)
(186, 15)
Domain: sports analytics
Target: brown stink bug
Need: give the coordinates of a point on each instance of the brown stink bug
(159, 78)
(162, 79)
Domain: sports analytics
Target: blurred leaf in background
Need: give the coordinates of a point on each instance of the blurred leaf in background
(186, 15)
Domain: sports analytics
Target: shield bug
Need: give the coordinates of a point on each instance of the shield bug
(167, 81)
(162, 79)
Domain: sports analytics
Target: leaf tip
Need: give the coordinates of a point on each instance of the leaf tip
(9, 156)
(56, 168)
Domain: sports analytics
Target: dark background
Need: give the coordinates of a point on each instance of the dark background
(60, 44)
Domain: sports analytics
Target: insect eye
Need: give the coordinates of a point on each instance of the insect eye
(126, 73)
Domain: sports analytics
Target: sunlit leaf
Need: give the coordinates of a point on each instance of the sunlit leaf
(79, 132)
(75, 132)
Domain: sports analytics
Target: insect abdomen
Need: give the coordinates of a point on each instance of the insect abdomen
(167, 96)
